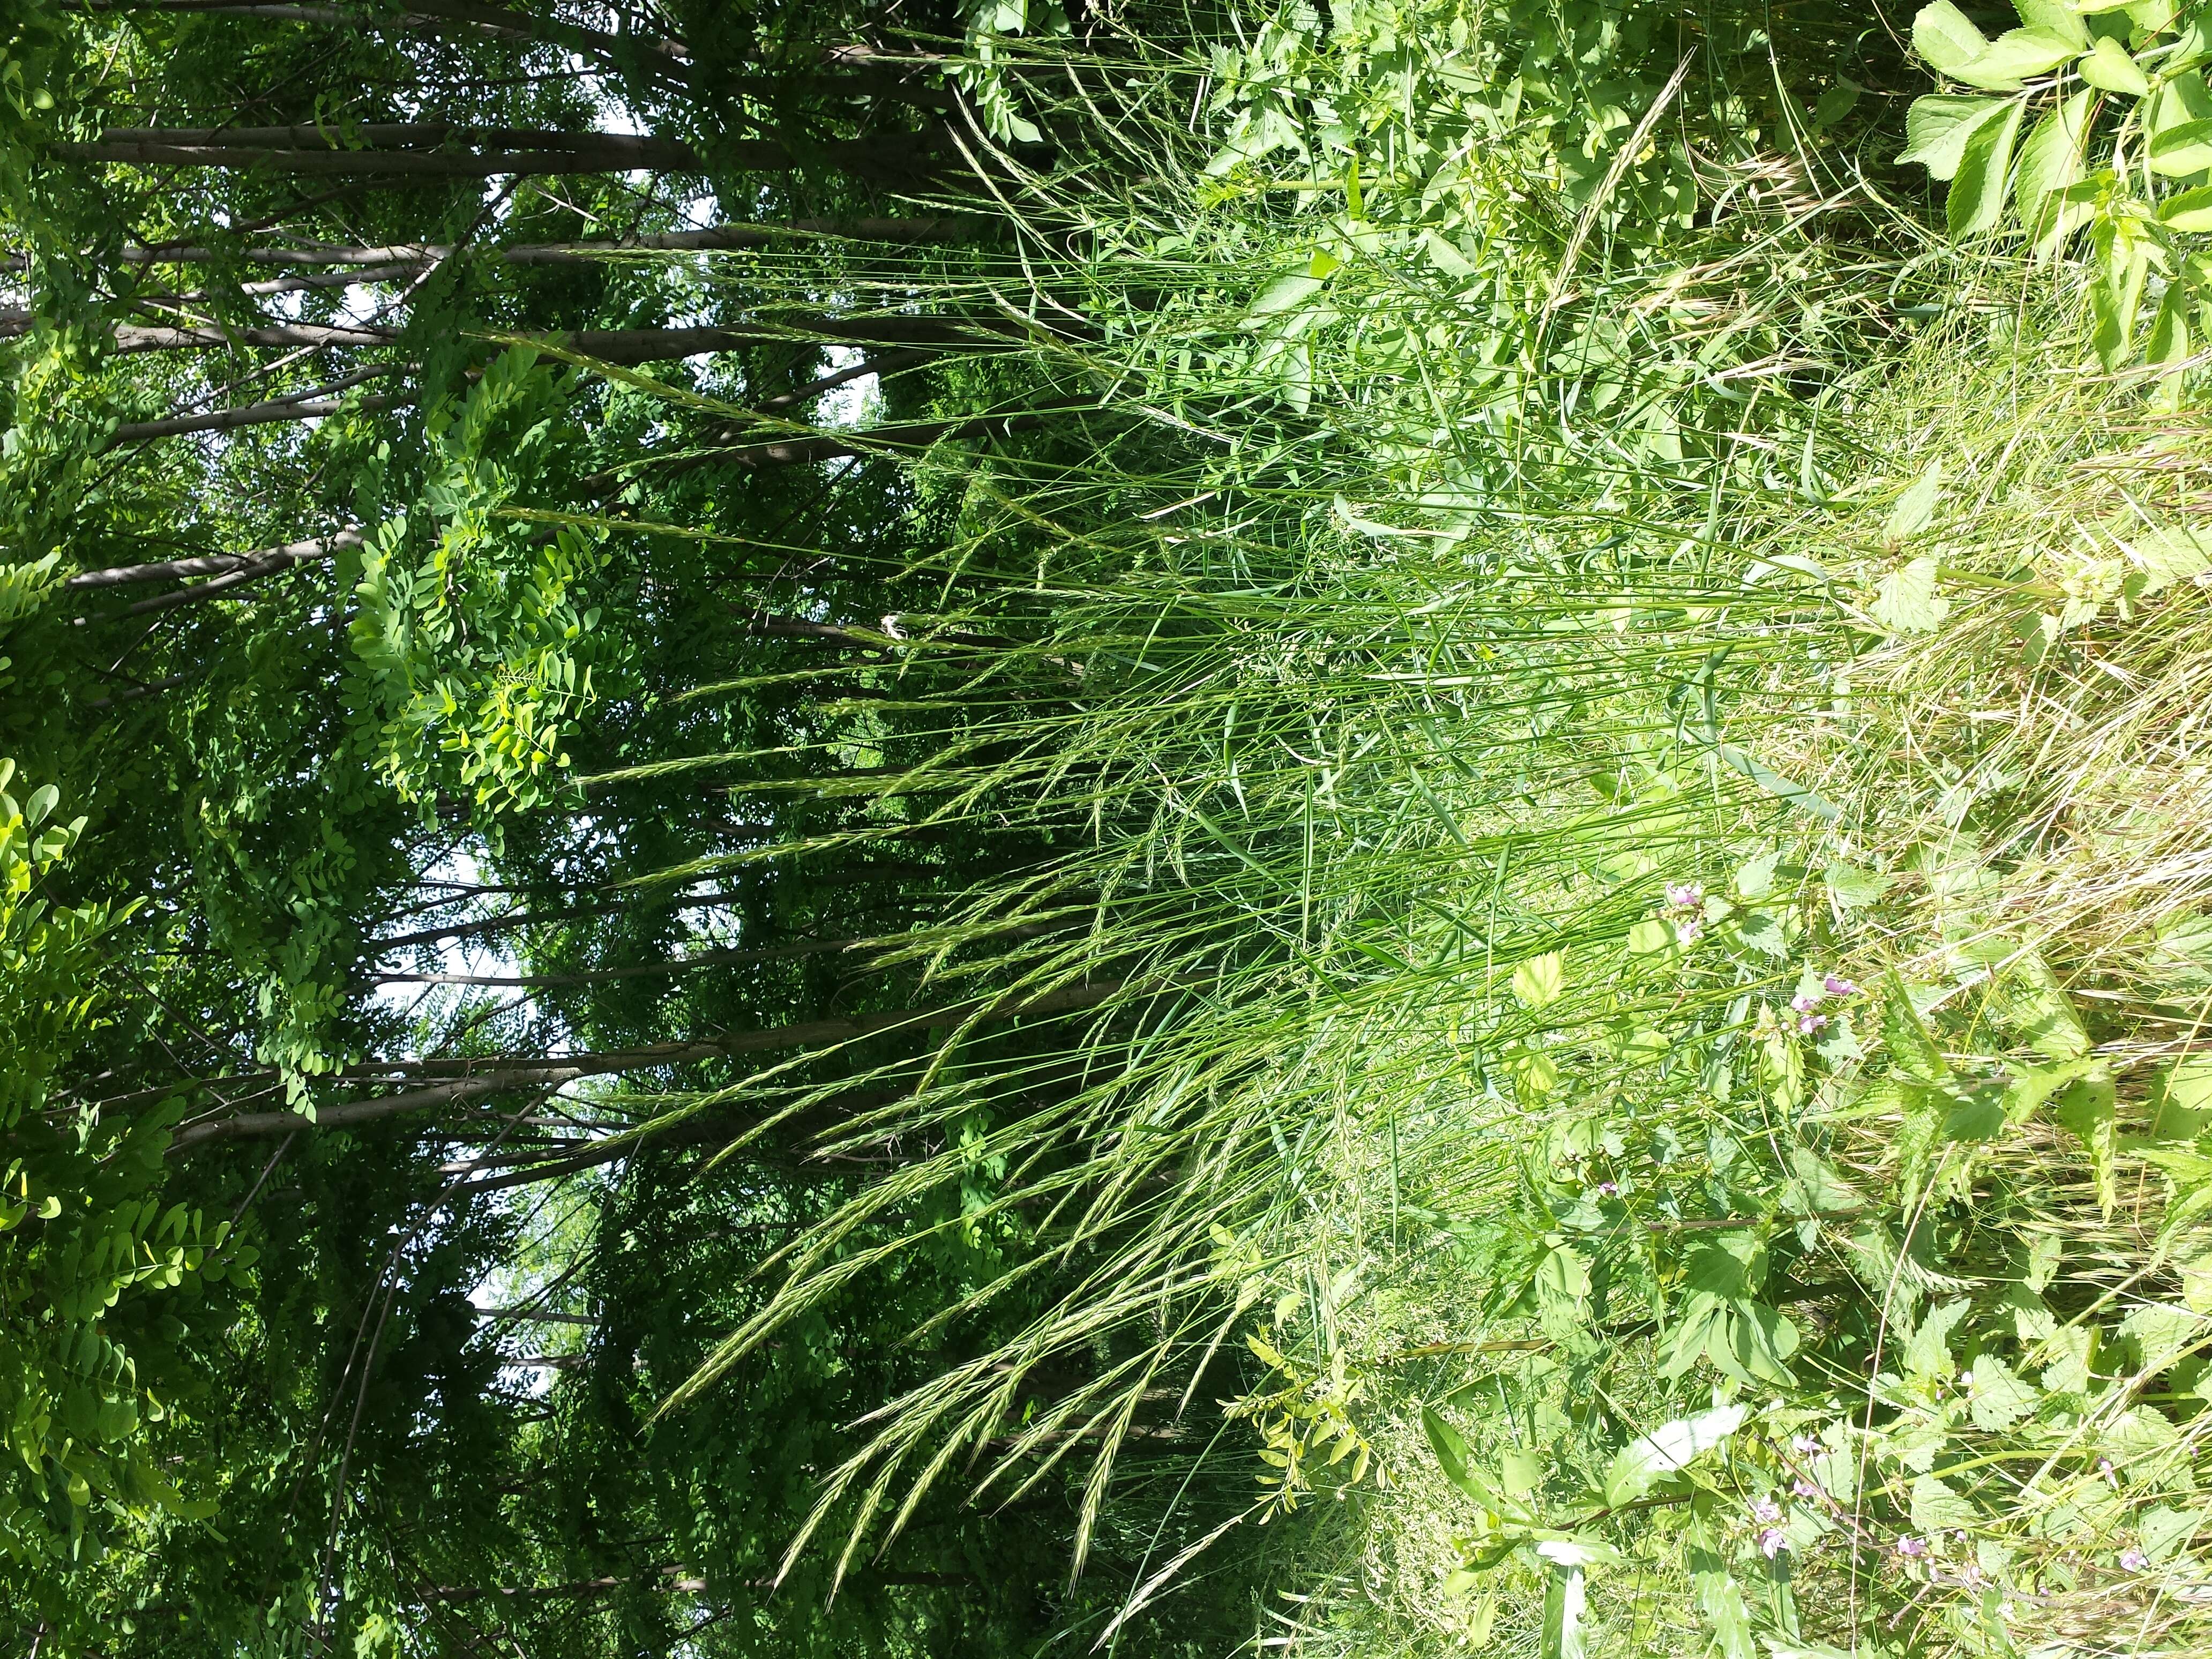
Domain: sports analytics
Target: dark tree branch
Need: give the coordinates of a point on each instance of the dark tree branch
(559, 1071)
(214, 564)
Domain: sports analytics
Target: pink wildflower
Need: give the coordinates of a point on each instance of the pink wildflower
(1805, 1001)
(2133, 1559)
(1772, 1542)
(1837, 987)
(1766, 1509)
(1685, 895)
(1809, 1023)
(1687, 933)
(1912, 1548)
(1608, 1189)
(1806, 1489)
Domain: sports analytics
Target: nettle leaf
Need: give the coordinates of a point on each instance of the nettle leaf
(1651, 1458)
(1942, 34)
(1852, 888)
(1938, 126)
(1997, 1399)
(1936, 1508)
(1916, 508)
(2170, 555)
(2109, 69)
(1906, 601)
(2088, 1108)
(1977, 191)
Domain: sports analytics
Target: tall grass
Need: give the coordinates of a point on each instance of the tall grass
(1644, 831)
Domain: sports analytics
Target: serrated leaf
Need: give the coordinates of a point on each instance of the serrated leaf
(1936, 1508)
(1915, 508)
(1852, 888)
(1938, 126)
(1540, 982)
(2183, 149)
(2191, 210)
(1910, 1048)
(2050, 160)
(2058, 17)
(1942, 34)
(2169, 555)
(1977, 198)
(2088, 1109)
(2109, 69)
(1651, 1458)
(1907, 603)
(2015, 56)
(1997, 1399)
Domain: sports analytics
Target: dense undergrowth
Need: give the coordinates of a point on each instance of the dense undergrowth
(1638, 734)
(1596, 685)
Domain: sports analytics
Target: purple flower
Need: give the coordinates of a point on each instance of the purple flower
(2105, 1467)
(1805, 1001)
(1912, 1548)
(1687, 933)
(1772, 1542)
(2133, 1559)
(1685, 895)
(1608, 1189)
(1838, 987)
(1803, 1488)
(1766, 1509)
(1809, 1023)
(1805, 1445)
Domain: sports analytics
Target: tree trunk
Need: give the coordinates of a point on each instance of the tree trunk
(408, 150)
(212, 564)
(556, 1072)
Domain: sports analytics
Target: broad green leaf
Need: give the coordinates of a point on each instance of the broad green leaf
(1942, 34)
(2028, 998)
(1452, 1454)
(2181, 1099)
(1852, 888)
(1977, 197)
(1936, 1508)
(2109, 69)
(2015, 56)
(2058, 17)
(1906, 601)
(1926, 1351)
(2171, 554)
(1540, 982)
(2050, 160)
(2183, 149)
(1937, 127)
(1915, 508)
(1651, 1458)
(2191, 210)
(1285, 294)
(1567, 1635)
(1649, 938)
(1835, 103)
(2087, 1108)
(1755, 880)
(1997, 1398)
